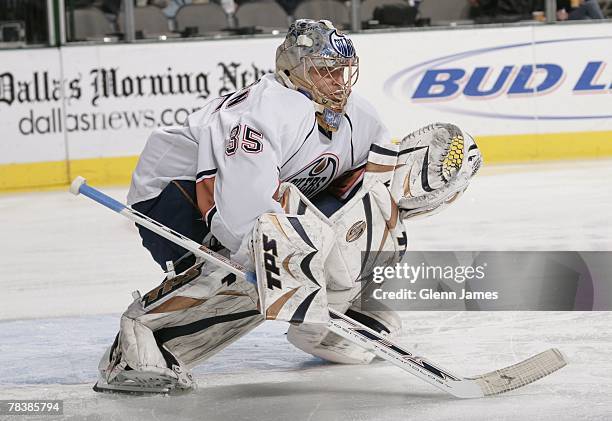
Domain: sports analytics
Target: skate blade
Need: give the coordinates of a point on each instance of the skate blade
(124, 389)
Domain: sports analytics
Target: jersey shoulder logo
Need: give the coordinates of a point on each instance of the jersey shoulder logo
(317, 175)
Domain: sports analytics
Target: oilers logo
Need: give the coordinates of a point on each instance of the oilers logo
(342, 45)
(317, 175)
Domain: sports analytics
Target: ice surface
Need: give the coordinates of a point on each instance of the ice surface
(68, 267)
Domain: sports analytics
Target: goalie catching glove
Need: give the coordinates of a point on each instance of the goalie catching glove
(429, 169)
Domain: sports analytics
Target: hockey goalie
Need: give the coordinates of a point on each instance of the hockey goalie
(296, 178)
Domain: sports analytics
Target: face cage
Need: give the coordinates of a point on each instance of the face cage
(328, 87)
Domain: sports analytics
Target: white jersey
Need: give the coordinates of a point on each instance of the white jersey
(240, 147)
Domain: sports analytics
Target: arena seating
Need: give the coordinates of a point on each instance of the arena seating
(445, 12)
(90, 24)
(148, 20)
(333, 10)
(265, 13)
(207, 18)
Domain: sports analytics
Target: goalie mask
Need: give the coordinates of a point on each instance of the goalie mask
(319, 61)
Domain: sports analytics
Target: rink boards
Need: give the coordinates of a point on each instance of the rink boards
(528, 93)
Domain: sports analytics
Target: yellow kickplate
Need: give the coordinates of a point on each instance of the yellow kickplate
(545, 147)
(59, 174)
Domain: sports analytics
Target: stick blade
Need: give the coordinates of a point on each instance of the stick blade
(522, 373)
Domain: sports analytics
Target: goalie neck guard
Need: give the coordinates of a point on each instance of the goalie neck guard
(319, 61)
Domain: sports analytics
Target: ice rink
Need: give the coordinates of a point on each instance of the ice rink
(68, 267)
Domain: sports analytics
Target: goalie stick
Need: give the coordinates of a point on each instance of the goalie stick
(493, 383)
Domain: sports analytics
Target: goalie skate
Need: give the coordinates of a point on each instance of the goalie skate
(143, 382)
(140, 385)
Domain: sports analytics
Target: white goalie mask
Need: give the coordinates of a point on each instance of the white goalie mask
(319, 61)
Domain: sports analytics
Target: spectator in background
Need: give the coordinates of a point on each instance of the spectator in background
(488, 11)
(172, 6)
(482, 10)
(288, 6)
(584, 9)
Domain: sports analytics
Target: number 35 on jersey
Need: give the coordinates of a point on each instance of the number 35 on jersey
(244, 137)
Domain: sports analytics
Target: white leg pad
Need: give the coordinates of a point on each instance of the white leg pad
(183, 321)
(320, 342)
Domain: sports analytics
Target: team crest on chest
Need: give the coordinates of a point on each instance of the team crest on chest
(317, 175)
